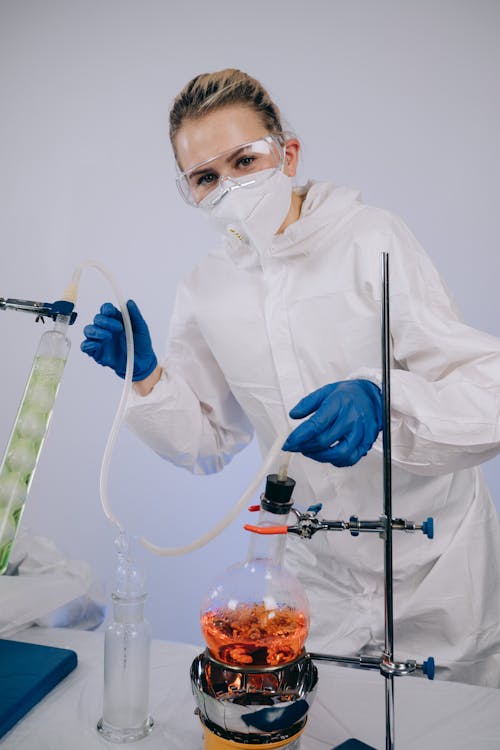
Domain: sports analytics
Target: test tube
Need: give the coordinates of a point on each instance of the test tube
(29, 431)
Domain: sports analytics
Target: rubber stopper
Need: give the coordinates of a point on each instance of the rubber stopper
(277, 497)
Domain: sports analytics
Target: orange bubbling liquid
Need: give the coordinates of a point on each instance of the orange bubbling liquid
(251, 635)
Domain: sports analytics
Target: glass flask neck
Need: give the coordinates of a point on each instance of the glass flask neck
(268, 546)
(61, 323)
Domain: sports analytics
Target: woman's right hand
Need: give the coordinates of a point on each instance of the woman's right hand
(105, 341)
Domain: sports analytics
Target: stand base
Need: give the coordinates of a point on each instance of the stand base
(121, 736)
(354, 745)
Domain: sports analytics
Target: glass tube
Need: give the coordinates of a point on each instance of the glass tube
(29, 432)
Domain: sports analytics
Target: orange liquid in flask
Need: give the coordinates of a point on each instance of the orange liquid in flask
(252, 635)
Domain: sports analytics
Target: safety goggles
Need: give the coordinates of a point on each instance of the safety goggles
(239, 167)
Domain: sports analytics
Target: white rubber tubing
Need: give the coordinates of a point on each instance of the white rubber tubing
(230, 516)
(245, 498)
(117, 421)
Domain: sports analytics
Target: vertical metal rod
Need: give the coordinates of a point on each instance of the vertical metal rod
(386, 435)
(389, 712)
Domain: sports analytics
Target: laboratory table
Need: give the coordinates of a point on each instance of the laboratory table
(349, 703)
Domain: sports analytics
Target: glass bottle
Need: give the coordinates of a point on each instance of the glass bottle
(127, 646)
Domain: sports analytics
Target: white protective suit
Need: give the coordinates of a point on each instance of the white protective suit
(252, 333)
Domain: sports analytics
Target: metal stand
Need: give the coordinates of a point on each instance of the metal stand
(388, 668)
(309, 523)
(386, 405)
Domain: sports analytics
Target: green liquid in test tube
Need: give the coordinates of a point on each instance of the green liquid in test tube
(29, 432)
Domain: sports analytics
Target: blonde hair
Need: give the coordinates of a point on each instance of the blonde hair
(210, 91)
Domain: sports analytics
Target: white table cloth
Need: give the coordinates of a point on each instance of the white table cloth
(349, 703)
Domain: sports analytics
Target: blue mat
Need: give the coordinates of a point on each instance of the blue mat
(28, 672)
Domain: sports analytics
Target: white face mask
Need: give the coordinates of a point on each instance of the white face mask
(253, 214)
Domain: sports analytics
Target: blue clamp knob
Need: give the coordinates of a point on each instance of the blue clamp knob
(62, 307)
(429, 668)
(428, 528)
(315, 508)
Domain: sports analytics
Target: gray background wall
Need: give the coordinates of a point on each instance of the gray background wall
(397, 98)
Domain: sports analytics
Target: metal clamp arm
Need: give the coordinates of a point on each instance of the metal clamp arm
(40, 309)
(309, 523)
(25, 305)
(381, 663)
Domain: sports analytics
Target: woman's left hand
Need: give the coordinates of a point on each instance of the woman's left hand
(346, 419)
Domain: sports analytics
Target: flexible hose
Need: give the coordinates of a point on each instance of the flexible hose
(115, 427)
(230, 516)
(245, 498)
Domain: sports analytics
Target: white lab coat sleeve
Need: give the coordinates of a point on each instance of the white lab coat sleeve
(445, 377)
(191, 417)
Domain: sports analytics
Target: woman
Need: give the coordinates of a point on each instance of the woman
(285, 315)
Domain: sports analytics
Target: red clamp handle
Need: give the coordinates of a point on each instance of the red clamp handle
(266, 529)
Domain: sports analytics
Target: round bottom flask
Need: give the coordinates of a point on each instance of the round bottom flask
(254, 684)
(255, 616)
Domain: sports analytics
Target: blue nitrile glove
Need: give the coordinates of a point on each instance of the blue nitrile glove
(105, 341)
(346, 421)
